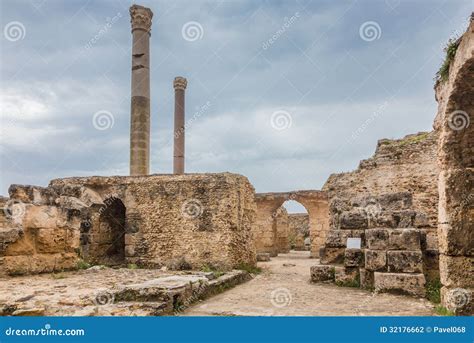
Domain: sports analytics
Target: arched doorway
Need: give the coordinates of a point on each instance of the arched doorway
(299, 238)
(103, 240)
(112, 231)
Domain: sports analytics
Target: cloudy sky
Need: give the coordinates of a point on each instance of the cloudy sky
(284, 92)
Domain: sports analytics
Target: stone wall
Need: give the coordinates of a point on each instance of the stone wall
(37, 236)
(391, 255)
(401, 165)
(298, 226)
(455, 123)
(184, 221)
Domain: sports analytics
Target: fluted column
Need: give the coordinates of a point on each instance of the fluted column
(140, 101)
(179, 85)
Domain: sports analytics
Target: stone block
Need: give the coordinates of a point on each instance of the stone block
(51, 240)
(400, 283)
(332, 255)
(338, 238)
(16, 242)
(354, 219)
(404, 239)
(39, 263)
(263, 257)
(405, 261)
(347, 276)
(41, 217)
(377, 239)
(32, 194)
(456, 271)
(353, 257)
(375, 260)
(321, 273)
(366, 278)
(421, 220)
(404, 218)
(458, 300)
(382, 219)
(456, 239)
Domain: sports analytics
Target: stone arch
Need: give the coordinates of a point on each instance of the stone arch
(103, 236)
(316, 204)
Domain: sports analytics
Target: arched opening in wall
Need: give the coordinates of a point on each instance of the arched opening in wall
(107, 235)
(298, 229)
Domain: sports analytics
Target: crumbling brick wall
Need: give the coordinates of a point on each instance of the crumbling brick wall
(178, 221)
(406, 165)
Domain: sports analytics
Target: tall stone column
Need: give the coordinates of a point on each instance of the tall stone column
(140, 102)
(179, 85)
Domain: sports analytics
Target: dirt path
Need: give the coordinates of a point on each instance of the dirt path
(283, 289)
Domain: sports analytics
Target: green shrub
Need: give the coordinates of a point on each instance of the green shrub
(443, 311)
(249, 268)
(450, 49)
(81, 264)
(433, 291)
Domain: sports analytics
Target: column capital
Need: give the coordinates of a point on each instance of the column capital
(140, 18)
(180, 83)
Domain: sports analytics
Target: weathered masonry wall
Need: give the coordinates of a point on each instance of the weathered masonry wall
(391, 256)
(407, 165)
(181, 221)
(268, 205)
(298, 226)
(455, 123)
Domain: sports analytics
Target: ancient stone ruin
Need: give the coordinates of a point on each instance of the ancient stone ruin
(402, 220)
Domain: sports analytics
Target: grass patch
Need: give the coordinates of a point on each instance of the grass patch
(249, 268)
(433, 291)
(443, 311)
(451, 47)
(355, 283)
(212, 269)
(414, 139)
(81, 264)
(132, 266)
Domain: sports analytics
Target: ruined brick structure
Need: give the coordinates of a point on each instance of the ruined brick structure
(159, 220)
(298, 227)
(455, 124)
(406, 166)
(268, 205)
